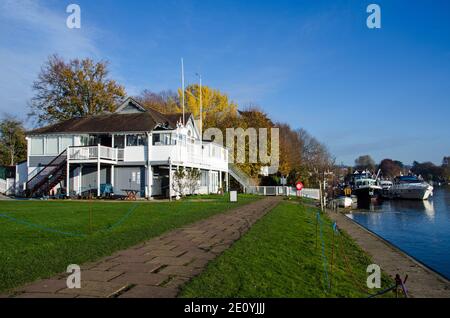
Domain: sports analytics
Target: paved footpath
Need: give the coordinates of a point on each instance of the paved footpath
(160, 266)
(422, 282)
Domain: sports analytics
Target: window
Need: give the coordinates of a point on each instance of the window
(138, 177)
(37, 146)
(204, 178)
(174, 139)
(136, 140)
(156, 139)
(119, 141)
(66, 141)
(52, 146)
(84, 140)
(164, 139)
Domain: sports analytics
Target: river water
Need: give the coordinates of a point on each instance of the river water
(419, 228)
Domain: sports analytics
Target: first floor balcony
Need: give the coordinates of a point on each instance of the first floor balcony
(99, 153)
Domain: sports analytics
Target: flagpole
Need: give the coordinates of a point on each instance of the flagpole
(201, 110)
(182, 87)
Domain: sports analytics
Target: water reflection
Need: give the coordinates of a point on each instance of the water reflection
(421, 228)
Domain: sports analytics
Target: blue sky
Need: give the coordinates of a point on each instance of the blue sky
(312, 64)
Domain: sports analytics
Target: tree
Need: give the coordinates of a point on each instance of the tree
(390, 168)
(365, 163)
(64, 90)
(252, 117)
(193, 180)
(216, 105)
(165, 102)
(429, 171)
(446, 168)
(290, 150)
(317, 160)
(13, 146)
(179, 181)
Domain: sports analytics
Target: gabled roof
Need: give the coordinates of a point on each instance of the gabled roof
(141, 120)
(130, 105)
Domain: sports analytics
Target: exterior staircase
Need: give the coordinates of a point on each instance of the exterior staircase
(48, 177)
(241, 177)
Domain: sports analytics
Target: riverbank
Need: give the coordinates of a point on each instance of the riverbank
(422, 281)
(284, 255)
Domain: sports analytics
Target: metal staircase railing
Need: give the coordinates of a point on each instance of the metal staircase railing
(48, 177)
(240, 176)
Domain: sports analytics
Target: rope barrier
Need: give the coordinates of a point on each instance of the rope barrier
(122, 219)
(399, 283)
(324, 257)
(40, 227)
(335, 232)
(72, 234)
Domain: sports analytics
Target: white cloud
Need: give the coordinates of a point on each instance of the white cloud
(29, 33)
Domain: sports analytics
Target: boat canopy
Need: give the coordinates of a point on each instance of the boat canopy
(408, 179)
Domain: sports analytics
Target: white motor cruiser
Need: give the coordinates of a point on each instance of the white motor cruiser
(410, 187)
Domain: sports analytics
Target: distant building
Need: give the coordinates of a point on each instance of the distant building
(446, 161)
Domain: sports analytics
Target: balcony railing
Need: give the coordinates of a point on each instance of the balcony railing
(90, 153)
(196, 154)
(206, 155)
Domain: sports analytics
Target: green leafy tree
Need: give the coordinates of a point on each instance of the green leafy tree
(365, 163)
(13, 146)
(75, 88)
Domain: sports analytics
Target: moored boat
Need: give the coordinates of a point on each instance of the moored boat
(386, 186)
(344, 202)
(365, 187)
(410, 187)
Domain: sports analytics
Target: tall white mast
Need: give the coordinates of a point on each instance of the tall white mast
(182, 88)
(201, 110)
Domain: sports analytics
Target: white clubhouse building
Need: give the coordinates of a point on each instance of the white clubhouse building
(132, 149)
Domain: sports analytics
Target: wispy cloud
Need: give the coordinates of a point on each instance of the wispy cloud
(29, 32)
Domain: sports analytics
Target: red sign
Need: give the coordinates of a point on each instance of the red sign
(299, 186)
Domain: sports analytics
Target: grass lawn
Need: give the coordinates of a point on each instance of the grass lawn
(40, 238)
(278, 258)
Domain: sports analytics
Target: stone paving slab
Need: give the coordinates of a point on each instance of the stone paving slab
(160, 266)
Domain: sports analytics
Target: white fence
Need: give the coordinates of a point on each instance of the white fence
(283, 190)
(7, 186)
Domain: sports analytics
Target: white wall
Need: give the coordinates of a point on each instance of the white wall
(21, 176)
(135, 153)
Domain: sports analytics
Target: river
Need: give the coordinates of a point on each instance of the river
(419, 228)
